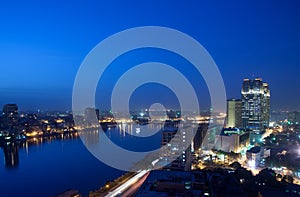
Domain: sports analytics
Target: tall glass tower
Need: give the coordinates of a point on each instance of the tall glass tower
(255, 107)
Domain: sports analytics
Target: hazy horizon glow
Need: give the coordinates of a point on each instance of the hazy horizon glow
(43, 45)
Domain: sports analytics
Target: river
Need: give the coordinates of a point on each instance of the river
(46, 167)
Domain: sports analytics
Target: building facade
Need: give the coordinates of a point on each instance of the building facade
(255, 107)
(10, 116)
(174, 151)
(254, 156)
(231, 140)
(91, 116)
(294, 117)
(234, 113)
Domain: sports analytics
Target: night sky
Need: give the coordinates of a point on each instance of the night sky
(42, 43)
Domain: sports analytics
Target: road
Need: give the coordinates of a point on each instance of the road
(126, 187)
(133, 189)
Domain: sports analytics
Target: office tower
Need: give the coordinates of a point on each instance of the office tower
(266, 105)
(255, 107)
(234, 113)
(10, 116)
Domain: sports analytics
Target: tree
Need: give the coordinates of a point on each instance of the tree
(266, 177)
(287, 179)
(235, 165)
(243, 174)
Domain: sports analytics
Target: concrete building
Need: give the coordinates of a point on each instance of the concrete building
(231, 139)
(173, 183)
(210, 137)
(174, 151)
(254, 156)
(193, 183)
(234, 113)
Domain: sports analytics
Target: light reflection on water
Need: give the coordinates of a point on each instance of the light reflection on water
(48, 166)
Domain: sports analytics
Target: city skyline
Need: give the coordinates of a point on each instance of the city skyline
(44, 45)
(150, 98)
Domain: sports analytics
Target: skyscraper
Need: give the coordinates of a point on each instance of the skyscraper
(10, 116)
(255, 107)
(266, 105)
(234, 113)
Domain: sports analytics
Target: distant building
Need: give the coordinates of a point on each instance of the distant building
(141, 118)
(10, 116)
(91, 116)
(255, 108)
(173, 115)
(234, 113)
(294, 117)
(231, 139)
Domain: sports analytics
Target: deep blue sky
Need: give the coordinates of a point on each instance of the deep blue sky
(42, 43)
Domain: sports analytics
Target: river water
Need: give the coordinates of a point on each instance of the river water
(46, 167)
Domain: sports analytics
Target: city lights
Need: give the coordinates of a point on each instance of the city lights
(150, 98)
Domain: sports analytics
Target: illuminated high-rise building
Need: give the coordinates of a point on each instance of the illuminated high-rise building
(255, 107)
(10, 116)
(266, 105)
(234, 113)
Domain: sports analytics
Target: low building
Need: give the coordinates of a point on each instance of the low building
(173, 183)
(192, 183)
(254, 156)
(231, 140)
